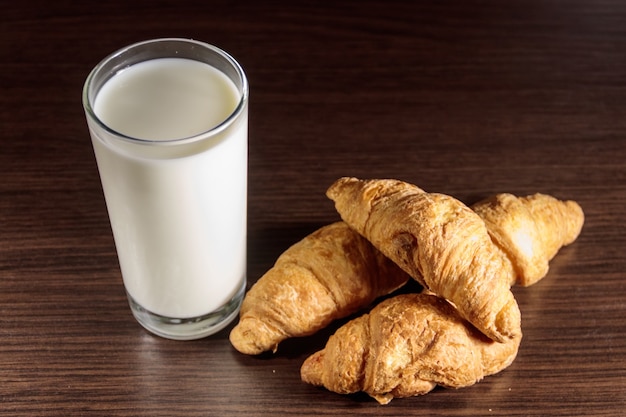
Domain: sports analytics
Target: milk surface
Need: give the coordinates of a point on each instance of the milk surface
(166, 98)
(178, 212)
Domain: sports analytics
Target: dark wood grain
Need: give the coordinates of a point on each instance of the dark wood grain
(463, 97)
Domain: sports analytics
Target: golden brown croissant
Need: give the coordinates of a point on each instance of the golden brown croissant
(530, 230)
(440, 242)
(332, 273)
(404, 347)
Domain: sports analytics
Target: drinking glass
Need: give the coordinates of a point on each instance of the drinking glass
(168, 120)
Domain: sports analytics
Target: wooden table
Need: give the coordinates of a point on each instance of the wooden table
(467, 98)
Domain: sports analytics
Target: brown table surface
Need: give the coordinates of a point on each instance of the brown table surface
(467, 98)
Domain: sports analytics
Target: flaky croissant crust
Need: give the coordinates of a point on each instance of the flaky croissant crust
(405, 346)
(408, 344)
(329, 274)
(471, 257)
(438, 241)
(530, 230)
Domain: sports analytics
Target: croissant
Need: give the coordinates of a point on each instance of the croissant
(404, 347)
(440, 242)
(530, 230)
(330, 274)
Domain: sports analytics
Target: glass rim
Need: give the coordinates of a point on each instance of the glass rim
(229, 120)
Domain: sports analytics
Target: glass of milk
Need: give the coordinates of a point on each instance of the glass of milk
(168, 120)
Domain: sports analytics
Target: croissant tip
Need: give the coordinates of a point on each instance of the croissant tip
(312, 368)
(383, 399)
(579, 219)
(243, 339)
(508, 322)
(333, 189)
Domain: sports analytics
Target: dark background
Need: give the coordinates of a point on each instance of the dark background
(467, 98)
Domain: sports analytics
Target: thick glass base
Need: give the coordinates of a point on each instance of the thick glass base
(188, 328)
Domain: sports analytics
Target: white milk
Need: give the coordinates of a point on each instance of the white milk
(179, 222)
